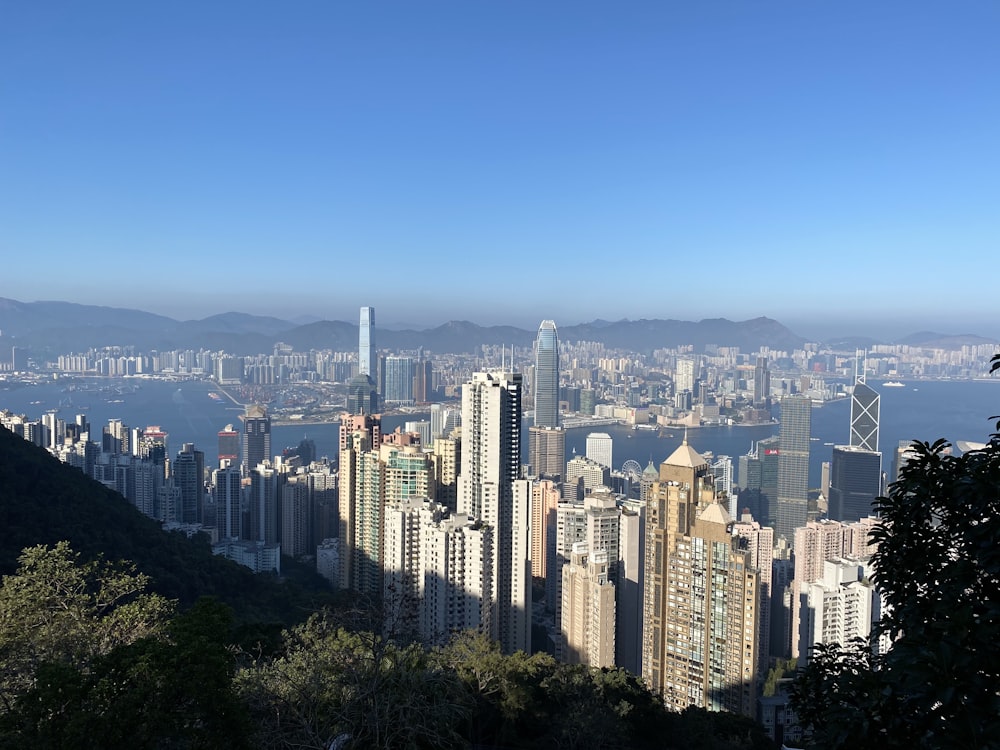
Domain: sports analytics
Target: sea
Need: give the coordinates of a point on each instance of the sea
(194, 411)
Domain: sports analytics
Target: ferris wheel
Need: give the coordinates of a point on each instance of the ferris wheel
(632, 470)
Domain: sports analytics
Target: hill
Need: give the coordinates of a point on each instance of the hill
(43, 501)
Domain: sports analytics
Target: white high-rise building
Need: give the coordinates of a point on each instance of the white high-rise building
(491, 490)
(600, 448)
(841, 605)
(685, 375)
(437, 567)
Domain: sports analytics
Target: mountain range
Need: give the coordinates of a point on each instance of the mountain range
(46, 329)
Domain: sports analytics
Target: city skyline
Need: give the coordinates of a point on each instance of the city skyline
(850, 147)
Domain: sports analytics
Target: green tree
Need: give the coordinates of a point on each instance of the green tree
(330, 683)
(172, 690)
(57, 609)
(938, 567)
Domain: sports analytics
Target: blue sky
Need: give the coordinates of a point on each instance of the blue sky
(832, 165)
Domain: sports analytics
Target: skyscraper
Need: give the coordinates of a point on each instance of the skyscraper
(793, 466)
(600, 447)
(229, 445)
(864, 416)
(398, 381)
(547, 451)
(761, 382)
(366, 342)
(588, 608)
(700, 596)
(189, 476)
(491, 490)
(856, 469)
(855, 482)
(257, 437)
(547, 375)
(228, 505)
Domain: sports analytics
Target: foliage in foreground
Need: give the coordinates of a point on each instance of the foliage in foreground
(938, 566)
(92, 660)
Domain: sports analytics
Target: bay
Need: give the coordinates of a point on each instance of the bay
(920, 410)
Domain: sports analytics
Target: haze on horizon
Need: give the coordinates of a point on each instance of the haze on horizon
(832, 166)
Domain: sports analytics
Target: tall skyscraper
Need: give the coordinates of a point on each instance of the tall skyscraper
(864, 416)
(366, 343)
(398, 381)
(547, 375)
(855, 482)
(256, 437)
(793, 466)
(491, 490)
(359, 502)
(856, 469)
(761, 382)
(588, 608)
(188, 473)
(700, 599)
(228, 502)
(685, 375)
(229, 445)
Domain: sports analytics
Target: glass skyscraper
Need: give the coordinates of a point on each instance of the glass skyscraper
(864, 417)
(547, 375)
(793, 466)
(366, 342)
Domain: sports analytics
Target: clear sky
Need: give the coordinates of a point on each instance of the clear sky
(834, 165)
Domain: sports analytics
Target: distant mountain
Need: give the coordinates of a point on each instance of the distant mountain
(50, 328)
(945, 340)
(647, 335)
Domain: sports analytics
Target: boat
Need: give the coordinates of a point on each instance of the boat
(892, 384)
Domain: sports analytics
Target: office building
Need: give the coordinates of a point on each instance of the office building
(700, 600)
(547, 452)
(491, 490)
(761, 383)
(865, 405)
(362, 396)
(297, 515)
(256, 437)
(398, 381)
(188, 473)
(264, 496)
(423, 381)
(229, 446)
(600, 448)
(228, 502)
(546, 394)
(366, 343)
(793, 466)
(855, 482)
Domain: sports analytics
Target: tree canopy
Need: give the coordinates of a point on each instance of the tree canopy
(938, 568)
